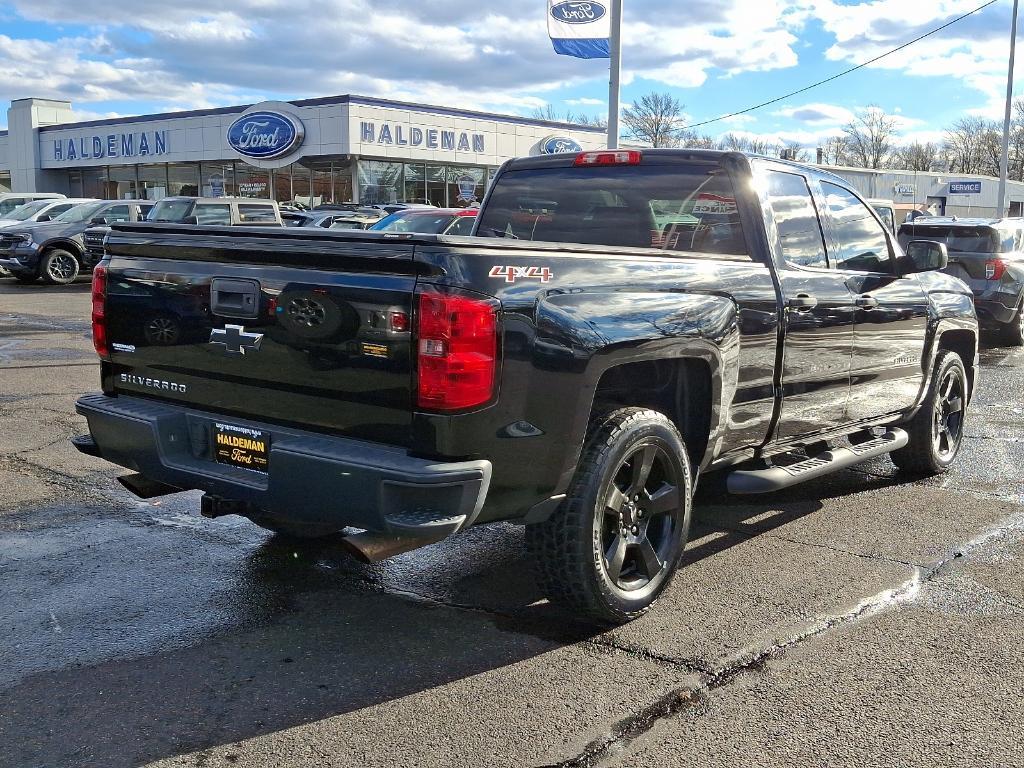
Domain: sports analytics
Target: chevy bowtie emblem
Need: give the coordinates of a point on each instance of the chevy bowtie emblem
(235, 340)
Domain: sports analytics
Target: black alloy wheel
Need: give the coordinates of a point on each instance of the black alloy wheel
(59, 267)
(641, 517)
(948, 419)
(613, 545)
(937, 430)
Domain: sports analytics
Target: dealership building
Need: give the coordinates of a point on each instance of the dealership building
(332, 149)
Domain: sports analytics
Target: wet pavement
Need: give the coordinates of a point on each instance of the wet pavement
(859, 620)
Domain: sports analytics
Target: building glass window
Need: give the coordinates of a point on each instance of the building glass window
(121, 183)
(153, 181)
(415, 183)
(379, 182)
(183, 179)
(91, 183)
(465, 186)
(330, 179)
(218, 179)
(252, 181)
(5, 181)
(437, 186)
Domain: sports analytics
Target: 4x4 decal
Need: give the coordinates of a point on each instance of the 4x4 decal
(511, 274)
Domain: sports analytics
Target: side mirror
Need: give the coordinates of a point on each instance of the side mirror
(44, 217)
(99, 220)
(925, 255)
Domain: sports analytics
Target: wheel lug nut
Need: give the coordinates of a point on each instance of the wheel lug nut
(635, 530)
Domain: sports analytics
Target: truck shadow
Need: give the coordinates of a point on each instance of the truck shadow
(311, 634)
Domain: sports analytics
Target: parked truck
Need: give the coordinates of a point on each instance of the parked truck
(576, 366)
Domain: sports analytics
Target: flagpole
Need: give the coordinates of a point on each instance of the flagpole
(1004, 160)
(615, 70)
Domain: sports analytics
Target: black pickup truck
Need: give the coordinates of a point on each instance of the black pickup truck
(623, 323)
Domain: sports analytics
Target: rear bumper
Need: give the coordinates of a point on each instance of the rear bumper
(312, 478)
(998, 308)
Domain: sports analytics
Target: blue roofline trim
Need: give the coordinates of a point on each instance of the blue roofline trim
(327, 101)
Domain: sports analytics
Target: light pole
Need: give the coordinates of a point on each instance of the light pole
(614, 71)
(1003, 157)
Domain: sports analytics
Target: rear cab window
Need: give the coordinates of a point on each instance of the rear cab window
(672, 207)
(249, 213)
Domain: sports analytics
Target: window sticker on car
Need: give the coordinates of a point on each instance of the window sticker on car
(511, 274)
(709, 203)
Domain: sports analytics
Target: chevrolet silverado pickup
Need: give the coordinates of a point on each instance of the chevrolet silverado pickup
(622, 323)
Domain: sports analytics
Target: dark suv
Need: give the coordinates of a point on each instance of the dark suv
(988, 255)
(55, 250)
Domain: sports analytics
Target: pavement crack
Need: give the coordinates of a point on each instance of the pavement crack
(680, 699)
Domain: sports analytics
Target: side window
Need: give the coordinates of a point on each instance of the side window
(144, 211)
(463, 225)
(861, 244)
(117, 213)
(8, 205)
(327, 222)
(58, 209)
(256, 214)
(796, 219)
(212, 213)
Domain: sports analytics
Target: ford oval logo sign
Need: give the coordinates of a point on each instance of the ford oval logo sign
(577, 12)
(552, 145)
(265, 135)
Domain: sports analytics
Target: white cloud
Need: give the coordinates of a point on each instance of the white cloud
(586, 102)
(817, 114)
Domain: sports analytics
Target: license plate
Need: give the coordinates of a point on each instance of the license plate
(243, 447)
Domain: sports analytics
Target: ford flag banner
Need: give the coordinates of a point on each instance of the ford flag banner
(579, 29)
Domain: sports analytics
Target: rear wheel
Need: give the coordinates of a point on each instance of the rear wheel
(613, 545)
(59, 267)
(1012, 333)
(937, 431)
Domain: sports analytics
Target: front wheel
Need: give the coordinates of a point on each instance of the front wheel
(937, 431)
(613, 545)
(59, 267)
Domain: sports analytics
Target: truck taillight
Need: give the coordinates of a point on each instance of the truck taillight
(99, 312)
(457, 346)
(994, 269)
(610, 157)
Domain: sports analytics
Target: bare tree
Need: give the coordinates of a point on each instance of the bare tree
(869, 137)
(964, 144)
(694, 140)
(791, 150)
(833, 151)
(918, 157)
(730, 141)
(547, 112)
(656, 119)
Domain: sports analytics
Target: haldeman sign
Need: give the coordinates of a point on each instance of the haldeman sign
(418, 136)
(142, 144)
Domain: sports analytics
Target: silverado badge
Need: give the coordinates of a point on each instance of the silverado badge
(235, 340)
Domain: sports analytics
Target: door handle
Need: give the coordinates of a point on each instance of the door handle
(866, 301)
(802, 301)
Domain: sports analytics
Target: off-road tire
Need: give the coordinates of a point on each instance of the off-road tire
(567, 550)
(59, 267)
(921, 455)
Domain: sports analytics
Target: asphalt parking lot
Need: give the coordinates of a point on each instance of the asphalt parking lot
(859, 621)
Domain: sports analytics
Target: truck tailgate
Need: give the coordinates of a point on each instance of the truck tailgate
(309, 329)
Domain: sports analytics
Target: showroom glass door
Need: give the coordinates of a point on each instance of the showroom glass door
(437, 186)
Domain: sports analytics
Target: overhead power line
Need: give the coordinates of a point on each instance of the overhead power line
(845, 72)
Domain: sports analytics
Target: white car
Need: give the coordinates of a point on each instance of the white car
(11, 200)
(41, 210)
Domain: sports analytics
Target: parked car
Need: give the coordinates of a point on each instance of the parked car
(55, 250)
(227, 211)
(413, 387)
(326, 219)
(988, 255)
(429, 220)
(11, 200)
(41, 210)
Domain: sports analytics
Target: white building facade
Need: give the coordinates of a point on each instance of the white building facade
(334, 149)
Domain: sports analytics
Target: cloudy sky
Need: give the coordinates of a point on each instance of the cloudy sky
(716, 56)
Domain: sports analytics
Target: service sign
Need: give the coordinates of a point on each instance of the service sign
(965, 187)
(265, 135)
(904, 190)
(707, 203)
